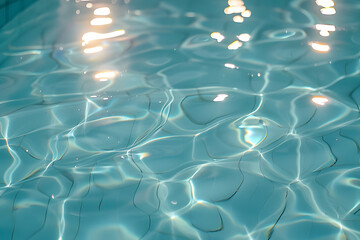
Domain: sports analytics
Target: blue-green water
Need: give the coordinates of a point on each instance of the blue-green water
(10, 8)
(181, 119)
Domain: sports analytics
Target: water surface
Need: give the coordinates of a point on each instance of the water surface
(181, 119)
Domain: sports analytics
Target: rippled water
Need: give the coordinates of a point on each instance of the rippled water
(181, 119)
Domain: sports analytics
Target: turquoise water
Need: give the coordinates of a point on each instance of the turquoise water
(181, 119)
(10, 8)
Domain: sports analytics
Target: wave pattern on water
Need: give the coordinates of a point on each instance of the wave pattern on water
(182, 119)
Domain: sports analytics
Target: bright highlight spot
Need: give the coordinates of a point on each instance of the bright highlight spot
(234, 9)
(235, 3)
(320, 47)
(91, 36)
(105, 75)
(230, 65)
(100, 21)
(325, 27)
(218, 36)
(244, 37)
(238, 19)
(324, 33)
(93, 50)
(325, 3)
(246, 13)
(89, 5)
(319, 100)
(103, 11)
(235, 45)
(328, 11)
(220, 97)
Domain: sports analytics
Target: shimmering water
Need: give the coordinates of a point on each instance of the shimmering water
(181, 119)
(10, 8)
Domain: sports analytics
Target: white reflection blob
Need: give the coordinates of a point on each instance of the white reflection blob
(230, 65)
(244, 37)
(218, 36)
(246, 13)
(320, 47)
(100, 21)
(324, 33)
(328, 11)
(325, 3)
(235, 3)
(220, 97)
(320, 100)
(105, 75)
(234, 9)
(235, 45)
(238, 19)
(325, 27)
(103, 11)
(91, 36)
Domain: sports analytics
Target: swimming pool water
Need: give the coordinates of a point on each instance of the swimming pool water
(9, 9)
(181, 119)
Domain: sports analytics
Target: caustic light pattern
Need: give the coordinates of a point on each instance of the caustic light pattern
(181, 119)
